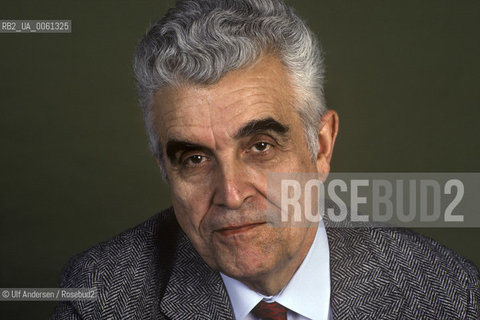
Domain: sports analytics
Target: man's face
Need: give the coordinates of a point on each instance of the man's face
(219, 143)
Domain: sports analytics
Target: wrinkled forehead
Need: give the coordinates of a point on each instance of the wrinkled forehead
(260, 91)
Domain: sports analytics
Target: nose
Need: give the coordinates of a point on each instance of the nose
(233, 186)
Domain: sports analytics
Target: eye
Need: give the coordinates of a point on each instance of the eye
(261, 147)
(194, 161)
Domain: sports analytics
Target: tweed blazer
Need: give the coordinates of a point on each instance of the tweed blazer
(152, 271)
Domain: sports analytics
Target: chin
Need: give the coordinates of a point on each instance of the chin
(250, 267)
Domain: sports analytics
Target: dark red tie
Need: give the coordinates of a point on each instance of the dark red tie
(270, 311)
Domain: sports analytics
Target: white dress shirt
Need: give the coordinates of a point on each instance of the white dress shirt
(307, 294)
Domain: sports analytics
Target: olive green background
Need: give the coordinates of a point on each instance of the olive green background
(75, 168)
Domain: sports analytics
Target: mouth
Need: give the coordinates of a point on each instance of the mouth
(236, 230)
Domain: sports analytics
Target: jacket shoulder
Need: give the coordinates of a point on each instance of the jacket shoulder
(423, 252)
(125, 250)
(128, 271)
(438, 277)
(432, 279)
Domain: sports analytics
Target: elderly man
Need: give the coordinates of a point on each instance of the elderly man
(231, 91)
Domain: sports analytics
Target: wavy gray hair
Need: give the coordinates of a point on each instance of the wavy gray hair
(199, 41)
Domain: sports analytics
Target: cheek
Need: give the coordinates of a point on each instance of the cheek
(191, 207)
(191, 203)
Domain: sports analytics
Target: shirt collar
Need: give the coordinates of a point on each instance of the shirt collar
(307, 293)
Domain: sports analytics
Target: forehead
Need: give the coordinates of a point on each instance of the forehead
(260, 91)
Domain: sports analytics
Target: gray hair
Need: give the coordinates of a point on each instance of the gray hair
(199, 41)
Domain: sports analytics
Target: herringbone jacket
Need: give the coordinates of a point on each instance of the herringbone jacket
(152, 271)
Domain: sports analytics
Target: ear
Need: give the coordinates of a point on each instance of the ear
(327, 133)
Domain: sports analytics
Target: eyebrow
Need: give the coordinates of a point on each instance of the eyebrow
(261, 125)
(253, 127)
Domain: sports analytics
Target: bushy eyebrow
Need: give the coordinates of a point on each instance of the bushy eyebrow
(261, 125)
(253, 127)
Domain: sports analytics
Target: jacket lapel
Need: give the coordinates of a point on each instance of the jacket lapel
(361, 283)
(194, 290)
